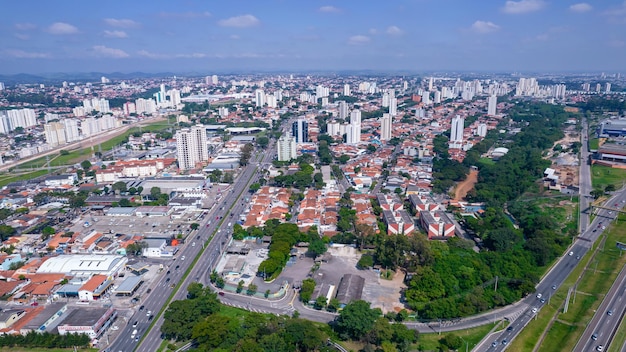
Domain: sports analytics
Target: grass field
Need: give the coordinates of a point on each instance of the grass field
(595, 282)
(601, 176)
(76, 156)
(5, 179)
(594, 144)
(430, 342)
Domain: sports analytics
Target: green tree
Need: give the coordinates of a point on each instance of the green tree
(262, 142)
(317, 248)
(119, 187)
(320, 302)
(86, 165)
(609, 188)
(124, 202)
(306, 290)
(252, 288)
(366, 261)
(240, 286)
(356, 320)
(194, 226)
(155, 192)
(451, 341)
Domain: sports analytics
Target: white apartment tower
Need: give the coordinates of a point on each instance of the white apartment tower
(191, 147)
(346, 90)
(607, 88)
(343, 109)
(353, 132)
(393, 106)
(55, 133)
(286, 147)
(385, 127)
(71, 130)
(456, 132)
(492, 103)
(259, 98)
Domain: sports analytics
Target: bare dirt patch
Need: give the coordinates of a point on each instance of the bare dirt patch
(462, 188)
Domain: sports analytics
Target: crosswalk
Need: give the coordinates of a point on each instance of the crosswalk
(286, 308)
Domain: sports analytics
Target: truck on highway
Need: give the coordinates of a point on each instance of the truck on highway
(133, 334)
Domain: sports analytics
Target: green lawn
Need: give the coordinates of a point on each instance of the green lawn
(430, 342)
(594, 144)
(5, 179)
(601, 176)
(486, 161)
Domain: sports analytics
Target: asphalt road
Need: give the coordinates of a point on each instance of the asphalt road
(557, 275)
(600, 330)
(218, 221)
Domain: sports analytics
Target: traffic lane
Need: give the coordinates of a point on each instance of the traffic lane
(603, 324)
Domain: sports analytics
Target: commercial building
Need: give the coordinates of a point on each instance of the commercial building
(84, 265)
(300, 130)
(90, 321)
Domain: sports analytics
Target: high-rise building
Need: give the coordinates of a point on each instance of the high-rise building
(385, 127)
(191, 147)
(259, 98)
(343, 109)
(430, 84)
(71, 130)
(55, 133)
(1, 86)
(426, 97)
(286, 147)
(456, 132)
(214, 80)
(437, 98)
(607, 87)
(21, 118)
(300, 130)
(393, 106)
(492, 103)
(598, 87)
(346, 89)
(385, 101)
(353, 130)
(270, 100)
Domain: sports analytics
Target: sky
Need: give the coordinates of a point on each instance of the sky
(291, 35)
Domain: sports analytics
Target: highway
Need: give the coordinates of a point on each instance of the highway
(218, 221)
(599, 332)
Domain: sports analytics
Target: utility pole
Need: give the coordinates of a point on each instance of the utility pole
(496, 287)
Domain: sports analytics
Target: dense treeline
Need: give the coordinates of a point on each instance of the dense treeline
(450, 279)
(541, 125)
(45, 340)
(599, 104)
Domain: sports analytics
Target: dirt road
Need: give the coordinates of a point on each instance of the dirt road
(462, 188)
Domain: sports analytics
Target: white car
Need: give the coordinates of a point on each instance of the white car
(182, 258)
(539, 295)
(534, 310)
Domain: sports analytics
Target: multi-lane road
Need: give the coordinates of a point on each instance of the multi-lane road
(590, 232)
(217, 221)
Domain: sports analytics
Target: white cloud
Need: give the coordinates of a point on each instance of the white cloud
(187, 15)
(115, 34)
(25, 26)
(581, 7)
(191, 56)
(61, 28)
(394, 30)
(22, 36)
(329, 9)
(523, 6)
(240, 21)
(484, 27)
(122, 22)
(21, 54)
(358, 40)
(234, 37)
(104, 51)
(149, 55)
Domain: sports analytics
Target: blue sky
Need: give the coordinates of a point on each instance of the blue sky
(291, 35)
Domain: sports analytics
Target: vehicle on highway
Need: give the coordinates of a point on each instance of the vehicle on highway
(149, 290)
(494, 344)
(135, 324)
(610, 312)
(149, 313)
(539, 295)
(182, 258)
(504, 342)
(133, 333)
(221, 293)
(510, 328)
(600, 348)
(198, 237)
(177, 266)
(151, 317)
(543, 300)
(167, 273)
(193, 244)
(554, 287)
(571, 253)
(594, 337)
(167, 280)
(141, 308)
(534, 310)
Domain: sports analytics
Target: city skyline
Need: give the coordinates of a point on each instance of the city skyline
(418, 35)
